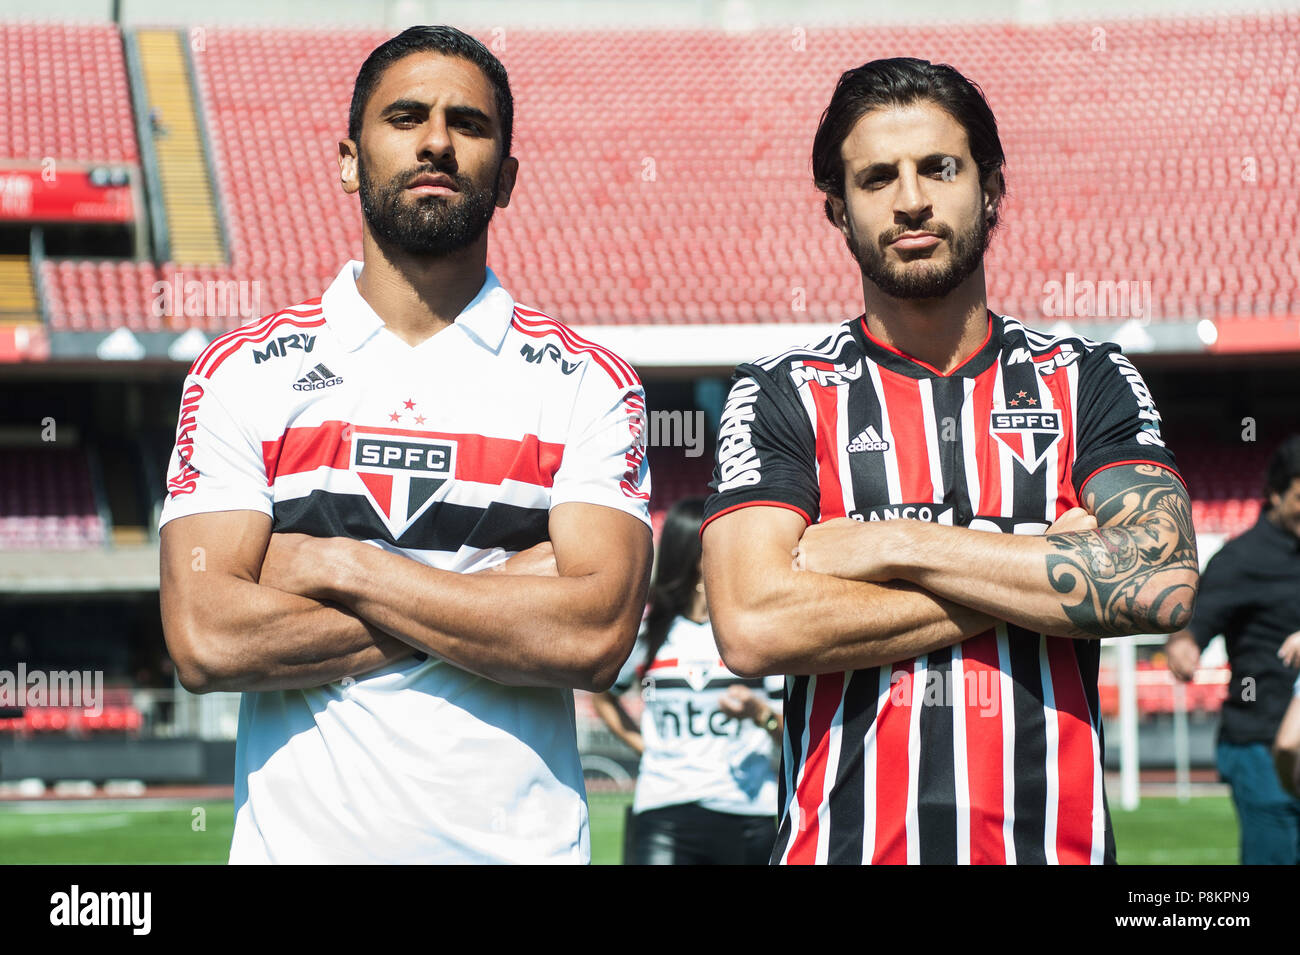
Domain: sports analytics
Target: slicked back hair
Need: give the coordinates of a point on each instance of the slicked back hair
(898, 82)
(432, 39)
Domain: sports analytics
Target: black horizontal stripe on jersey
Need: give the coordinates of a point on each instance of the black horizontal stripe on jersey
(443, 527)
(678, 683)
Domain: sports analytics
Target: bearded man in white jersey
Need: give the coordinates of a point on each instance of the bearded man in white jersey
(417, 536)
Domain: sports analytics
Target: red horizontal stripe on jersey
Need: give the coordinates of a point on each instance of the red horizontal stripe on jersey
(481, 459)
(1075, 763)
(893, 767)
(261, 336)
(826, 401)
(828, 692)
(979, 656)
(306, 449)
(307, 309)
(902, 398)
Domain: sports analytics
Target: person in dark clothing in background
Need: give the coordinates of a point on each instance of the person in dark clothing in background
(1250, 593)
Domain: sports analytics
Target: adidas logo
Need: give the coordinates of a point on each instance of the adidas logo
(868, 440)
(316, 379)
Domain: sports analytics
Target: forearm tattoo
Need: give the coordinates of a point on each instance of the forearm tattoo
(1131, 574)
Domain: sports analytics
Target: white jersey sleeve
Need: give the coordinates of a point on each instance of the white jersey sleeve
(217, 463)
(604, 457)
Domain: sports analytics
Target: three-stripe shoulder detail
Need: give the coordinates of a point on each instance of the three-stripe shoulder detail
(1044, 341)
(537, 324)
(828, 349)
(307, 315)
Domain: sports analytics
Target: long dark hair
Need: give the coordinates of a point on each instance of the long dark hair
(902, 81)
(677, 571)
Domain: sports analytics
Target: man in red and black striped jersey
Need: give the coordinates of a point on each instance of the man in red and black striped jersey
(928, 519)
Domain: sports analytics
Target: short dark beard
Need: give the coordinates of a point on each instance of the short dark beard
(967, 252)
(434, 226)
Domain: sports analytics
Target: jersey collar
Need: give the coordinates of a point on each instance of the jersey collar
(486, 318)
(890, 357)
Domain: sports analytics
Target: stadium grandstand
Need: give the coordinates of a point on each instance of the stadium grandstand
(168, 175)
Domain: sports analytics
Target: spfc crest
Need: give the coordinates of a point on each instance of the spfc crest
(698, 672)
(401, 474)
(1028, 435)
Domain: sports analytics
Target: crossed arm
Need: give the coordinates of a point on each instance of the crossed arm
(886, 591)
(287, 611)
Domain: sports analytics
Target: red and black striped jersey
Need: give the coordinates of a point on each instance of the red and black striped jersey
(989, 751)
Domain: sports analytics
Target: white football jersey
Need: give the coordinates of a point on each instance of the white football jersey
(694, 751)
(451, 452)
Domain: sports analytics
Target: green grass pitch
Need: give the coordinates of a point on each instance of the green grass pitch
(1162, 832)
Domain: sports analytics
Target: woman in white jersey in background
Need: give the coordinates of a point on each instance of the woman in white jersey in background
(709, 740)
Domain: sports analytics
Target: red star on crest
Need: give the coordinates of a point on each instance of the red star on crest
(394, 416)
(1033, 401)
(1021, 394)
(409, 404)
(1013, 402)
(419, 419)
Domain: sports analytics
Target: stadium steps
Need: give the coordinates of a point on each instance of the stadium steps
(188, 196)
(18, 305)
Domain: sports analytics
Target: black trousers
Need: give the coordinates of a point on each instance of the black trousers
(689, 834)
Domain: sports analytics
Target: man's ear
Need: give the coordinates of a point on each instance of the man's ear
(839, 214)
(993, 190)
(348, 174)
(506, 178)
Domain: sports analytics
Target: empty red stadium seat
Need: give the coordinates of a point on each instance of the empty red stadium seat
(47, 500)
(683, 158)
